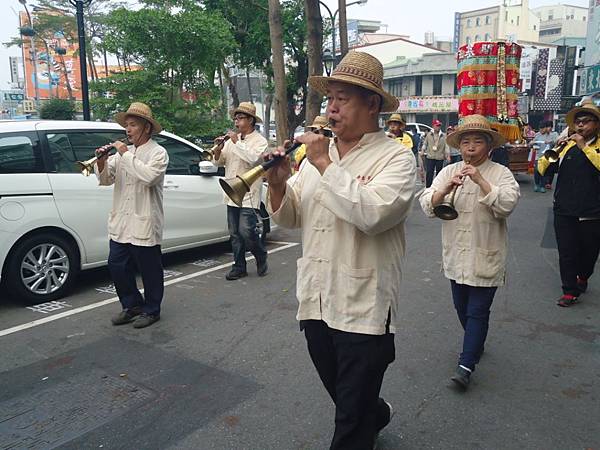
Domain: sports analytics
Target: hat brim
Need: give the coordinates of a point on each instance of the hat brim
(121, 118)
(319, 84)
(397, 121)
(237, 110)
(570, 118)
(453, 139)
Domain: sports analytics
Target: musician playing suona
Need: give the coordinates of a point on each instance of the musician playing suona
(239, 154)
(396, 125)
(135, 224)
(474, 245)
(577, 202)
(351, 202)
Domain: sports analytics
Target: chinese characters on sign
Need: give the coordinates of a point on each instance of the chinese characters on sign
(428, 104)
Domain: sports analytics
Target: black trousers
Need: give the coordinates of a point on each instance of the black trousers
(124, 260)
(351, 367)
(578, 247)
(432, 168)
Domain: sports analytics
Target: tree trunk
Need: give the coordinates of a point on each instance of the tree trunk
(314, 26)
(249, 85)
(343, 28)
(268, 104)
(235, 98)
(276, 33)
(67, 82)
(223, 93)
(106, 74)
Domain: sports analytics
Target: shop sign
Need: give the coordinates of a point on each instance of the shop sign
(428, 104)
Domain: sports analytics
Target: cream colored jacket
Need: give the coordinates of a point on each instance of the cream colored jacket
(475, 244)
(352, 221)
(241, 157)
(137, 214)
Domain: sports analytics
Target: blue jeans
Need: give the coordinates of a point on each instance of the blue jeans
(472, 305)
(243, 230)
(124, 260)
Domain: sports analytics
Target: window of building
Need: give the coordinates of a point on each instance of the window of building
(477, 38)
(468, 23)
(419, 85)
(20, 154)
(437, 84)
(506, 16)
(534, 27)
(478, 22)
(468, 40)
(455, 86)
(487, 20)
(518, 20)
(551, 14)
(583, 18)
(488, 37)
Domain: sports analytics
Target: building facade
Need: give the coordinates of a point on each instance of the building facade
(561, 21)
(511, 21)
(425, 86)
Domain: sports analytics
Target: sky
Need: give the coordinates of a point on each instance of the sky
(400, 18)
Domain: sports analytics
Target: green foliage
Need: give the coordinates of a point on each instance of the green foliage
(57, 109)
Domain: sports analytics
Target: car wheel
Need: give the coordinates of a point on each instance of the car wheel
(42, 268)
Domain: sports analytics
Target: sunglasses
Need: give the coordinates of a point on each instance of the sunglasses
(584, 120)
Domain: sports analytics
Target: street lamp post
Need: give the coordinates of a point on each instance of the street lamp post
(328, 61)
(79, 4)
(332, 19)
(31, 34)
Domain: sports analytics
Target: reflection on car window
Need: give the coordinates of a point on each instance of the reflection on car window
(68, 147)
(18, 154)
(183, 159)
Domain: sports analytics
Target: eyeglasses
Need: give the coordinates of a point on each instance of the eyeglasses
(240, 117)
(584, 120)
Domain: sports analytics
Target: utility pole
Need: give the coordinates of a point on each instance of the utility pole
(276, 33)
(343, 21)
(85, 96)
(314, 28)
(33, 52)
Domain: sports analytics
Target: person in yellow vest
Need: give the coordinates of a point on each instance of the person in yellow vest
(320, 126)
(396, 125)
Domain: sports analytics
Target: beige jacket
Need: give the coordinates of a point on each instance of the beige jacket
(475, 244)
(352, 221)
(241, 157)
(435, 147)
(137, 214)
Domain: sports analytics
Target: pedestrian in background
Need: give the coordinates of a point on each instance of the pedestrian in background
(577, 201)
(544, 140)
(474, 245)
(240, 153)
(350, 200)
(396, 125)
(135, 224)
(435, 152)
(453, 153)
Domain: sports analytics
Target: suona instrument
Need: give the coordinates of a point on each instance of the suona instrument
(446, 210)
(209, 155)
(87, 167)
(553, 154)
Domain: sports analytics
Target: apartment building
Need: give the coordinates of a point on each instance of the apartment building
(560, 22)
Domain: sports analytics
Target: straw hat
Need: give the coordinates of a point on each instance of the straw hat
(396, 118)
(587, 107)
(248, 109)
(142, 110)
(358, 69)
(474, 124)
(320, 122)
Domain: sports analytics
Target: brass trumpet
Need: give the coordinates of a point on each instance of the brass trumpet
(552, 154)
(236, 188)
(446, 210)
(87, 167)
(209, 155)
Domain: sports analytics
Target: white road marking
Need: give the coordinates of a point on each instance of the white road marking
(35, 323)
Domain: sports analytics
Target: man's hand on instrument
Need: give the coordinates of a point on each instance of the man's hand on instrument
(233, 136)
(579, 139)
(317, 150)
(120, 147)
(102, 152)
(472, 172)
(278, 174)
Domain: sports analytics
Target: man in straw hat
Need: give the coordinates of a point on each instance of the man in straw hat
(136, 221)
(351, 201)
(396, 125)
(239, 154)
(474, 244)
(577, 201)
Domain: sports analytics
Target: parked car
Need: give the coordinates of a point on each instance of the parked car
(53, 220)
(420, 128)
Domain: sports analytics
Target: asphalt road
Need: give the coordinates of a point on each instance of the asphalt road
(227, 368)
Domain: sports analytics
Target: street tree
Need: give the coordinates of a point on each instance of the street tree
(314, 45)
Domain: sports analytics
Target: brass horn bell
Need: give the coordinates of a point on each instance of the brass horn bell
(237, 188)
(87, 167)
(446, 210)
(551, 155)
